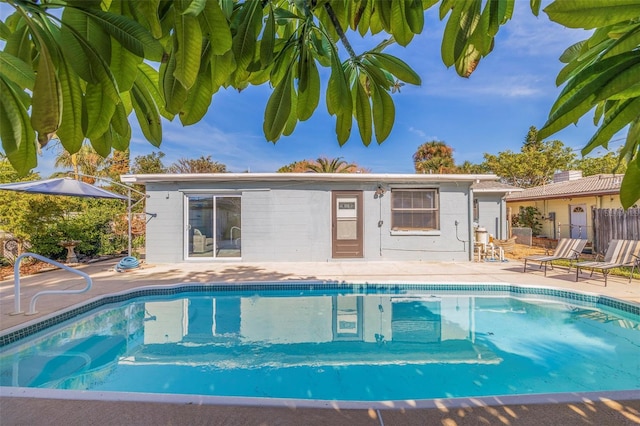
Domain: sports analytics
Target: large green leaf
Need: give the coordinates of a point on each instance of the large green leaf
(384, 113)
(70, 133)
(619, 84)
(399, 25)
(188, 49)
(46, 110)
(453, 39)
(244, 42)
(590, 14)
(278, 108)
(83, 24)
(120, 125)
(148, 10)
(124, 66)
(414, 11)
(579, 96)
(148, 77)
(630, 189)
(309, 95)
(363, 113)
(20, 45)
(17, 71)
(129, 33)
(338, 96)
(216, 28)
(344, 122)
(18, 137)
(146, 112)
(175, 94)
(99, 108)
(12, 111)
(198, 101)
(268, 39)
(616, 120)
(222, 66)
(396, 67)
(196, 7)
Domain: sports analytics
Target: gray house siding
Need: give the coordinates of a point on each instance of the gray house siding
(492, 214)
(295, 224)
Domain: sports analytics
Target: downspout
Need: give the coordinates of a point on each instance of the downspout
(470, 223)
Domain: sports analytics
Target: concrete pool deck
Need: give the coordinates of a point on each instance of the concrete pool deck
(619, 409)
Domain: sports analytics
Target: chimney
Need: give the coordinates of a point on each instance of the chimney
(567, 176)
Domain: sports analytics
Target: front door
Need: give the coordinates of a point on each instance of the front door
(578, 221)
(346, 224)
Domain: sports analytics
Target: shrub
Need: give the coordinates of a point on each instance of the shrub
(529, 217)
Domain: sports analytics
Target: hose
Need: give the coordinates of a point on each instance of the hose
(127, 262)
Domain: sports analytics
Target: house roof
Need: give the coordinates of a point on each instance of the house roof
(307, 177)
(493, 186)
(603, 184)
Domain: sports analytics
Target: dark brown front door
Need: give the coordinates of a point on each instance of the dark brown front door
(346, 224)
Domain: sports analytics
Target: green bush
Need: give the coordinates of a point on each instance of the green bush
(92, 227)
(529, 217)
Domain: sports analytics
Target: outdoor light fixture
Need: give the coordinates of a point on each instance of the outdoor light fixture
(379, 191)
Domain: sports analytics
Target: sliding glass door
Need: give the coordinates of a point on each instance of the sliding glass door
(213, 226)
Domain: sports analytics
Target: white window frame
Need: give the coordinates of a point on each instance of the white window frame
(417, 231)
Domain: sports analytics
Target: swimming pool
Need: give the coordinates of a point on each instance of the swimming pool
(319, 341)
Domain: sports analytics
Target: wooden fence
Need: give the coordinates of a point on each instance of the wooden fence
(614, 224)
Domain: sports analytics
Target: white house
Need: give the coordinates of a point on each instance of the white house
(256, 217)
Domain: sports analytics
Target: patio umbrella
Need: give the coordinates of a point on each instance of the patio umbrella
(62, 186)
(71, 187)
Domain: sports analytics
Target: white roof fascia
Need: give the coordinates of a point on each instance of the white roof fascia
(305, 177)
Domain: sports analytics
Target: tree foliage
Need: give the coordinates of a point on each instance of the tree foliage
(197, 165)
(295, 167)
(534, 165)
(149, 163)
(434, 157)
(606, 164)
(77, 69)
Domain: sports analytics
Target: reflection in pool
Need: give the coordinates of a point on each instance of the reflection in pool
(334, 346)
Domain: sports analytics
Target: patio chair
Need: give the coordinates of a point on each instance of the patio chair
(567, 249)
(200, 242)
(619, 253)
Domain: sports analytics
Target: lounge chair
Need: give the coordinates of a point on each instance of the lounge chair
(567, 249)
(619, 253)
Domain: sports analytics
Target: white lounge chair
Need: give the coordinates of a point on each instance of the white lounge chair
(619, 253)
(567, 249)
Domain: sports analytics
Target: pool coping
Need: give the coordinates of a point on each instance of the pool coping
(437, 403)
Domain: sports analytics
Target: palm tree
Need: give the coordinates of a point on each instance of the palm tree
(86, 161)
(434, 156)
(331, 165)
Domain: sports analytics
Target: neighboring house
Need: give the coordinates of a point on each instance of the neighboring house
(567, 203)
(257, 217)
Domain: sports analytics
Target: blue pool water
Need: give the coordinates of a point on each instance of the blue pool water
(335, 345)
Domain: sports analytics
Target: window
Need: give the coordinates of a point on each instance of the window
(415, 210)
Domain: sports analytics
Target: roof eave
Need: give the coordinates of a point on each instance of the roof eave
(306, 177)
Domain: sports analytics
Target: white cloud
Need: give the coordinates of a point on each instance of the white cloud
(418, 132)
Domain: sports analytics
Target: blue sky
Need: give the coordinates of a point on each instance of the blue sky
(511, 90)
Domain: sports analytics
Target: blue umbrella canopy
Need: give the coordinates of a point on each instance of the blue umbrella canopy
(61, 186)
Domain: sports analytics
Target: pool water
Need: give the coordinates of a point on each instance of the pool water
(334, 346)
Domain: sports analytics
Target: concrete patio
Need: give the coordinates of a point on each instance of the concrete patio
(613, 408)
